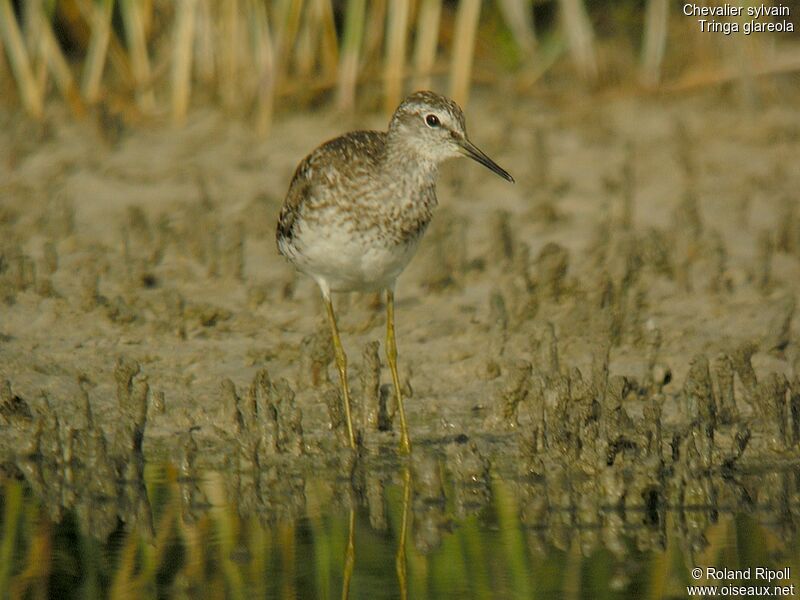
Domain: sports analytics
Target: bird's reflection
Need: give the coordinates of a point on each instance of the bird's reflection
(400, 554)
(400, 557)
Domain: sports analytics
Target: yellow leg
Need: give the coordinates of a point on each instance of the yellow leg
(391, 357)
(400, 557)
(341, 364)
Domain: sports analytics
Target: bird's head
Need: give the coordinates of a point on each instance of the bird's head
(434, 127)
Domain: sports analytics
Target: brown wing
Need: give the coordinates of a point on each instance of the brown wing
(299, 191)
(351, 155)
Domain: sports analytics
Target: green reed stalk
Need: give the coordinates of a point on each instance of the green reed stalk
(157, 551)
(397, 32)
(288, 549)
(194, 564)
(449, 575)
(91, 561)
(38, 560)
(258, 544)
(478, 560)
(572, 580)
(513, 540)
(30, 93)
(657, 576)
(226, 522)
(123, 581)
(427, 39)
(349, 555)
(466, 28)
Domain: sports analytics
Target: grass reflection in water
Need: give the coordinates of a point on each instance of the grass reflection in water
(413, 533)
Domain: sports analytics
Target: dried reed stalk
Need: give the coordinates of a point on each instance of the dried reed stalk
(147, 16)
(466, 28)
(265, 65)
(351, 50)
(317, 45)
(395, 53)
(205, 66)
(518, 17)
(548, 52)
(31, 33)
(581, 37)
(53, 57)
(116, 53)
(30, 93)
(30, 19)
(228, 53)
(133, 17)
(287, 24)
(374, 34)
(183, 44)
(656, 25)
(307, 41)
(100, 25)
(4, 69)
(329, 43)
(427, 38)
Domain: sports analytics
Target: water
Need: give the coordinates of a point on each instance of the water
(413, 532)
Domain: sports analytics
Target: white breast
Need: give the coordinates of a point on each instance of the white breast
(349, 262)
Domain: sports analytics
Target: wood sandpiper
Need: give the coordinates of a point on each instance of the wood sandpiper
(358, 206)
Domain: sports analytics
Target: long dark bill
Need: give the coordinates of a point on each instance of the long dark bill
(476, 154)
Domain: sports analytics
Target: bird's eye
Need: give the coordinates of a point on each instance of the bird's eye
(432, 120)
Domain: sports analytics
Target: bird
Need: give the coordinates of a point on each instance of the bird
(358, 206)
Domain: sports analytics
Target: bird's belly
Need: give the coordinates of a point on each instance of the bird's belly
(348, 262)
